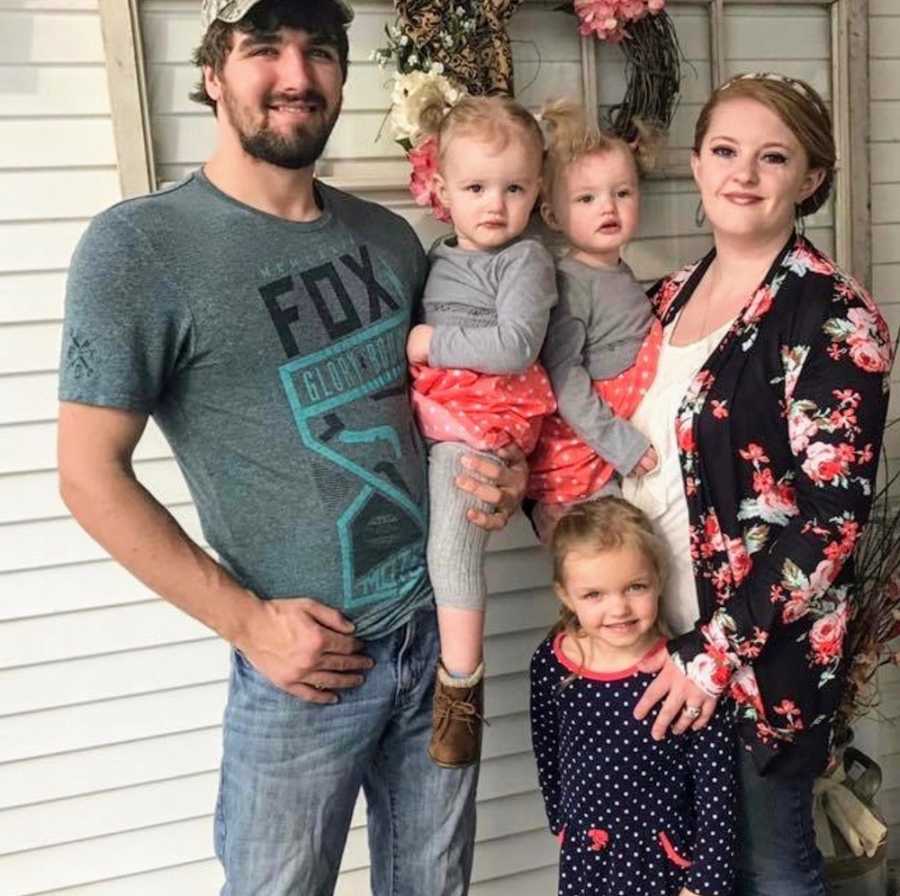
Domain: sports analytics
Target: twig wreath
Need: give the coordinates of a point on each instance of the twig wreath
(444, 51)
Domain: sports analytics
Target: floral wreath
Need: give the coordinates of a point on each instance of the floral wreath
(442, 52)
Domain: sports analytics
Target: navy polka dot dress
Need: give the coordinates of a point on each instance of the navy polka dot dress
(635, 817)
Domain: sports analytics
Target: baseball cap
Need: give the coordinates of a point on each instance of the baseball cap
(234, 10)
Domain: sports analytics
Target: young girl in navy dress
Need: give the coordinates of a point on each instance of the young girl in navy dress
(635, 816)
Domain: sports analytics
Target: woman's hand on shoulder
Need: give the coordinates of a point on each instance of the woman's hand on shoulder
(683, 703)
(418, 344)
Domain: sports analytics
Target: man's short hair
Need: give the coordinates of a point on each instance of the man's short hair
(323, 20)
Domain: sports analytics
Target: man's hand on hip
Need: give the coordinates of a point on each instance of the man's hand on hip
(304, 648)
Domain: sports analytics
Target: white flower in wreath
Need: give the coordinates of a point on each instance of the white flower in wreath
(410, 95)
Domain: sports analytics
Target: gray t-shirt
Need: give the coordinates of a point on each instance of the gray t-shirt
(595, 333)
(489, 309)
(272, 355)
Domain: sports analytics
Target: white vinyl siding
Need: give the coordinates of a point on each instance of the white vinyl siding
(884, 110)
(110, 700)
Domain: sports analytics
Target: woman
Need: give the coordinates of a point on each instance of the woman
(774, 372)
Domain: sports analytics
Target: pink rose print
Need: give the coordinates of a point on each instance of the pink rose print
(791, 713)
(745, 690)
(827, 636)
(802, 260)
(685, 434)
(796, 608)
(869, 356)
(801, 428)
(824, 464)
(780, 499)
(821, 579)
(741, 562)
(720, 409)
(707, 674)
(758, 305)
(754, 452)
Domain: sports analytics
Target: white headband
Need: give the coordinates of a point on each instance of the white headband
(797, 86)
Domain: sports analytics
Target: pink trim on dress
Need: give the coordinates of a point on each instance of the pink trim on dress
(669, 850)
(484, 411)
(602, 676)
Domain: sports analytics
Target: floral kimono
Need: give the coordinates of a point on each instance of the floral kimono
(779, 437)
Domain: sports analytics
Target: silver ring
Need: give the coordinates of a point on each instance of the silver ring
(692, 712)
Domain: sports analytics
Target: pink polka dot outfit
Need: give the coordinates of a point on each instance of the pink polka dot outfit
(482, 389)
(601, 352)
(485, 411)
(635, 817)
(482, 386)
(564, 468)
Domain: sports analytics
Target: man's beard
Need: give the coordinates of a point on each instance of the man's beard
(298, 148)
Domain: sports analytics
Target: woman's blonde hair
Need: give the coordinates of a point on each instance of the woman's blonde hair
(607, 524)
(801, 109)
(495, 119)
(568, 138)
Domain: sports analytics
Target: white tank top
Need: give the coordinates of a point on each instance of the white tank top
(660, 493)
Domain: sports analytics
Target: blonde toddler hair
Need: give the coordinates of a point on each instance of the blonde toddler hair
(569, 137)
(494, 119)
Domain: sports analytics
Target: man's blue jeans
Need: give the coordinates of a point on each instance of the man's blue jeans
(776, 837)
(292, 770)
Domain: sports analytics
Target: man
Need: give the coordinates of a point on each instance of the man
(261, 318)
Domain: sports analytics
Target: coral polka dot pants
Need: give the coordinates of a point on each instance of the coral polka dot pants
(563, 468)
(483, 411)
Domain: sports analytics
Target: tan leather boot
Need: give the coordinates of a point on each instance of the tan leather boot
(458, 719)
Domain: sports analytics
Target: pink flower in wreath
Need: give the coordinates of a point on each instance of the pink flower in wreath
(824, 464)
(599, 19)
(827, 636)
(424, 161)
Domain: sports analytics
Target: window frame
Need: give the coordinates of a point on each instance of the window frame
(126, 72)
(849, 66)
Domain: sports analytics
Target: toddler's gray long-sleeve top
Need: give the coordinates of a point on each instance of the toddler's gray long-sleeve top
(595, 333)
(489, 309)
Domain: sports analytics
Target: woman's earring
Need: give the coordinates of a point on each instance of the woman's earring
(799, 221)
(700, 214)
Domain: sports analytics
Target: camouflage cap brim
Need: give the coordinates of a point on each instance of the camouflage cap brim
(234, 10)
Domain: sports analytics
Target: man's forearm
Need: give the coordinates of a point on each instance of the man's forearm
(141, 534)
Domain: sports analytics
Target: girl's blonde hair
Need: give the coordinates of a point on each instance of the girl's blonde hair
(607, 524)
(798, 106)
(495, 119)
(569, 137)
